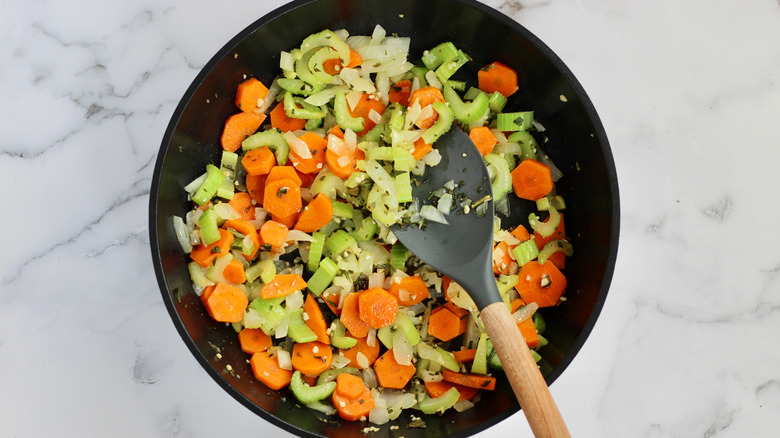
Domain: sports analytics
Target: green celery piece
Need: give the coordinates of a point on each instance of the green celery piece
(327, 38)
(497, 102)
(303, 72)
(422, 366)
(343, 210)
(419, 73)
(545, 229)
(308, 394)
(501, 176)
(297, 108)
(271, 313)
(339, 241)
(539, 322)
(330, 374)
(439, 55)
(402, 322)
(465, 112)
(542, 204)
(312, 124)
(209, 231)
(207, 190)
(448, 360)
(527, 142)
(518, 121)
(385, 335)
(442, 124)
(472, 93)
(395, 116)
(479, 365)
(492, 360)
(457, 85)
(555, 246)
(298, 331)
(265, 269)
(315, 64)
(272, 139)
(197, 275)
(315, 251)
(343, 117)
(323, 276)
(398, 256)
(525, 252)
(376, 133)
(298, 86)
(403, 186)
(542, 342)
(445, 71)
(228, 166)
(366, 229)
(338, 336)
(430, 405)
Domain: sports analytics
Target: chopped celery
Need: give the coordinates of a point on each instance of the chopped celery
(330, 375)
(265, 269)
(315, 64)
(418, 72)
(338, 336)
(323, 276)
(297, 108)
(542, 204)
(492, 357)
(298, 331)
(272, 139)
(376, 133)
(430, 405)
(385, 335)
(398, 257)
(343, 116)
(448, 360)
(395, 116)
(479, 365)
(403, 186)
(307, 394)
(518, 121)
(525, 252)
(445, 71)
(339, 241)
(497, 102)
(365, 230)
(298, 86)
(271, 313)
(457, 85)
(197, 275)
(539, 323)
(545, 229)
(542, 341)
(465, 112)
(228, 167)
(342, 210)
(500, 175)
(439, 55)
(403, 323)
(551, 248)
(207, 190)
(472, 93)
(313, 124)
(506, 283)
(527, 142)
(302, 69)
(330, 39)
(442, 124)
(209, 231)
(315, 251)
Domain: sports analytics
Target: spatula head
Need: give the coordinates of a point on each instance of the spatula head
(462, 248)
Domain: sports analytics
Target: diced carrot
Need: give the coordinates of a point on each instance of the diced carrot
(255, 186)
(332, 66)
(352, 409)
(254, 340)
(242, 203)
(332, 301)
(314, 319)
(225, 303)
(557, 258)
(350, 386)
(445, 325)
(542, 284)
(520, 233)
(281, 121)
(234, 272)
(258, 161)
(391, 374)
(400, 92)
(282, 197)
(266, 369)
(316, 146)
(344, 168)
(470, 380)
(363, 108)
(238, 127)
(377, 307)
(457, 311)
(437, 389)
(311, 357)
(497, 77)
(283, 172)
(248, 93)
(204, 255)
(282, 285)
(410, 290)
(287, 221)
(502, 260)
(421, 149)
(350, 316)
(445, 284)
(465, 355)
(273, 233)
(247, 229)
(354, 59)
(531, 180)
(528, 330)
(316, 214)
(483, 139)
(427, 96)
(370, 353)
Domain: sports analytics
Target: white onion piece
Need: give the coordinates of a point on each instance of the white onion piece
(343, 34)
(371, 337)
(445, 203)
(430, 213)
(284, 359)
(369, 377)
(374, 116)
(425, 113)
(270, 97)
(294, 301)
(339, 361)
(337, 145)
(376, 279)
(412, 114)
(182, 234)
(306, 195)
(286, 61)
(525, 312)
(402, 348)
(297, 145)
(281, 328)
(193, 187)
(377, 35)
(344, 160)
(430, 376)
(350, 139)
(433, 81)
(353, 97)
(463, 405)
(299, 236)
(226, 211)
(362, 361)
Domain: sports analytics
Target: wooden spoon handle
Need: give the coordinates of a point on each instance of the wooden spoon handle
(523, 373)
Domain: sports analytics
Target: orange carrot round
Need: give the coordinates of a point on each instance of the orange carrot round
(391, 374)
(497, 77)
(234, 272)
(204, 255)
(352, 409)
(343, 168)
(370, 353)
(377, 307)
(242, 203)
(483, 139)
(315, 320)
(254, 340)
(248, 93)
(266, 369)
(255, 186)
(238, 127)
(350, 316)
(427, 96)
(542, 284)
(281, 172)
(282, 285)
(273, 233)
(316, 214)
(400, 92)
(350, 386)
(258, 161)
(363, 108)
(282, 197)
(316, 145)
(445, 325)
(247, 229)
(410, 290)
(287, 221)
(311, 357)
(225, 303)
(281, 121)
(531, 180)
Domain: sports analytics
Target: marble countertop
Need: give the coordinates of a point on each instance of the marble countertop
(686, 345)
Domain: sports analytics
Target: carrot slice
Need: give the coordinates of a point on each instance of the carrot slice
(249, 93)
(502, 260)
(349, 386)
(283, 172)
(542, 284)
(266, 369)
(281, 121)
(332, 301)
(444, 325)
(421, 149)
(470, 380)
(255, 186)
(497, 77)
(370, 353)
(352, 409)
(343, 168)
(287, 221)
(311, 357)
(377, 307)
(531, 180)
(225, 303)
(483, 139)
(316, 214)
(363, 108)
(314, 319)
(528, 330)
(254, 340)
(238, 127)
(350, 316)
(400, 92)
(426, 96)
(465, 355)
(258, 161)
(282, 285)
(234, 272)
(247, 229)
(273, 233)
(242, 203)
(316, 146)
(521, 233)
(410, 290)
(204, 255)
(354, 59)
(282, 197)
(391, 374)
(437, 389)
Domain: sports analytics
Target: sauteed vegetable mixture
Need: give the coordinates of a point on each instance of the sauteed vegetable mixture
(289, 234)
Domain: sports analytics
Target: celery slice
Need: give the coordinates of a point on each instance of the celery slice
(297, 108)
(339, 241)
(298, 331)
(439, 55)
(209, 231)
(398, 257)
(465, 112)
(309, 394)
(315, 251)
(518, 121)
(338, 336)
(479, 365)
(525, 252)
(323, 276)
(207, 190)
(551, 248)
(343, 116)
(403, 186)
(448, 360)
(430, 405)
(527, 142)
(500, 175)
(272, 139)
(545, 229)
(442, 124)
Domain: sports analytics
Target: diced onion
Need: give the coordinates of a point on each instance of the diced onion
(374, 116)
(376, 279)
(299, 236)
(426, 112)
(433, 81)
(353, 97)
(294, 301)
(350, 139)
(402, 348)
(337, 145)
(281, 328)
(369, 377)
(297, 145)
(270, 97)
(430, 213)
(182, 234)
(525, 312)
(193, 187)
(226, 211)
(445, 203)
(377, 35)
(463, 405)
(339, 361)
(430, 376)
(371, 338)
(284, 359)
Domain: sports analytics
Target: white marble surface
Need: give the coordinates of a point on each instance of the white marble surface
(686, 346)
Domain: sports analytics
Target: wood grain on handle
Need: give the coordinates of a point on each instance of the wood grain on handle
(523, 374)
